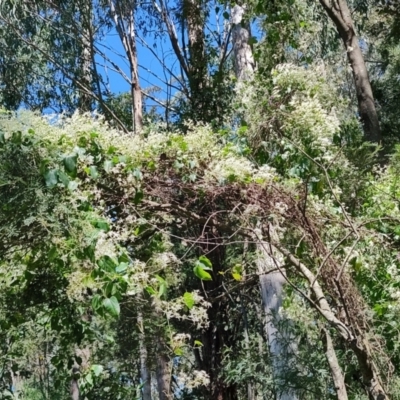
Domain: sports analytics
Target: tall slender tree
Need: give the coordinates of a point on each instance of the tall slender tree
(271, 272)
(123, 15)
(340, 14)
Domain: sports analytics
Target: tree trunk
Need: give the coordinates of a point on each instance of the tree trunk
(193, 14)
(243, 54)
(124, 21)
(137, 102)
(85, 97)
(144, 372)
(163, 374)
(271, 283)
(74, 387)
(336, 371)
(250, 387)
(340, 14)
(271, 291)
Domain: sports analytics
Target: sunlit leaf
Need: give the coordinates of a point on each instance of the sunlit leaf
(112, 306)
(200, 272)
(188, 299)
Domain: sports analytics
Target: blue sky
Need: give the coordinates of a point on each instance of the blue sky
(149, 68)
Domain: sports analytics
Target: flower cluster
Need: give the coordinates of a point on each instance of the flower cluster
(178, 309)
(195, 379)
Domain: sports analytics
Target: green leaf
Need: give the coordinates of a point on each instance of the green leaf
(93, 172)
(111, 150)
(102, 225)
(108, 165)
(110, 289)
(201, 273)
(16, 137)
(63, 178)
(188, 299)
(89, 379)
(253, 40)
(73, 185)
(51, 178)
(150, 290)
(82, 142)
(121, 267)
(107, 263)
(178, 351)
(206, 262)
(97, 369)
(236, 277)
(52, 254)
(96, 302)
(237, 272)
(112, 306)
(198, 343)
(70, 164)
(162, 289)
(123, 258)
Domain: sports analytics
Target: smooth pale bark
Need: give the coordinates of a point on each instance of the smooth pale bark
(243, 55)
(125, 26)
(336, 371)
(144, 371)
(84, 355)
(272, 284)
(338, 11)
(74, 387)
(136, 92)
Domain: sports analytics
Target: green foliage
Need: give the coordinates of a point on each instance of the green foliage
(142, 249)
(103, 222)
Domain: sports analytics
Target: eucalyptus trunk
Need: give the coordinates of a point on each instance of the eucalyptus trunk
(124, 19)
(74, 386)
(281, 345)
(339, 12)
(144, 371)
(85, 70)
(243, 54)
(271, 283)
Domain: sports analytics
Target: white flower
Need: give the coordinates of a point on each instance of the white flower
(198, 378)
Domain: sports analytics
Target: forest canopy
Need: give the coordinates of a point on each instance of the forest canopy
(228, 233)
